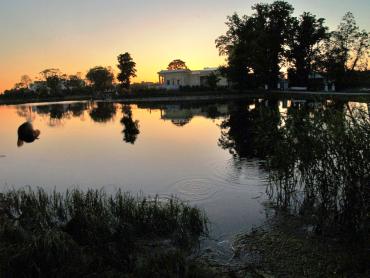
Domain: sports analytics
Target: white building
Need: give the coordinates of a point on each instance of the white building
(174, 79)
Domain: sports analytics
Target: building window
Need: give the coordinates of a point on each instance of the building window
(168, 82)
(173, 81)
(178, 82)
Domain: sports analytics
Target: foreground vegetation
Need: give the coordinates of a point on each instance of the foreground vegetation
(317, 156)
(92, 234)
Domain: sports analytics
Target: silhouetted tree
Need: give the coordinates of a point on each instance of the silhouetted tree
(305, 47)
(177, 65)
(346, 51)
(75, 82)
(53, 78)
(212, 80)
(127, 69)
(101, 78)
(255, 45)
(24, 83)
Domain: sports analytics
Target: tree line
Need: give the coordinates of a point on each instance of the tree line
(260, 46)
(52, 82)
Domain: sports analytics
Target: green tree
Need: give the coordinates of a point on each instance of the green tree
(126, 65)
(177, 65)
(305, 47)
(100, 77)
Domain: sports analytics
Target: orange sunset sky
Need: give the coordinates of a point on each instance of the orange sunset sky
(77, 35)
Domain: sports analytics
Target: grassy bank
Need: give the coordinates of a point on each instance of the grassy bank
(288, 247)
(92, 234)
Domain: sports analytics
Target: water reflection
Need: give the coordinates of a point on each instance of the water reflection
(248, 124)
(27, 134)
(181, 115)
(103, 112)
(291, 141)
(320, 164)
(131, 127)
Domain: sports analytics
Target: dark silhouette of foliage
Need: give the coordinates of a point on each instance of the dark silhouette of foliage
(126, 65)
(306, 48)
(177, 65)
(103, 112)
(74, 82)
(346, 51)
(88, 234)
(131, 127)
(254, 45)
(101, 78)
(212, 80)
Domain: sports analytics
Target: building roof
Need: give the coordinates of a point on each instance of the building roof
(205, 70)
(174, 71)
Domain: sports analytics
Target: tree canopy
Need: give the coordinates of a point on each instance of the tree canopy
(101, 78)
(177, 65)
(259, 46)
(347, 50)
(127, 68)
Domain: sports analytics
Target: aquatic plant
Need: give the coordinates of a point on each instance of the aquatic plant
(319, 167)
(92, 233)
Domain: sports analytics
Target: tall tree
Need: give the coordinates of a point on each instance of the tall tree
(255, 45)
(126, 65)
(305, 45)
(177, 65)
(100, 77)
(273, 24)
(346, 51)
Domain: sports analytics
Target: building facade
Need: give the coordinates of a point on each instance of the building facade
(174, 79)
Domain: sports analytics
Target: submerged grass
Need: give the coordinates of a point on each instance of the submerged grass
(94, 234)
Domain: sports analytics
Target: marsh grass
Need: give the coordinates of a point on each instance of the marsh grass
(320, 166)
(94, 234)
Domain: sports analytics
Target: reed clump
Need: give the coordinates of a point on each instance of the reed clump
(320, 166)
(95, 234)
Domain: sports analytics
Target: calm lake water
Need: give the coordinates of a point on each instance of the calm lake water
(180, 150)
(176, 152)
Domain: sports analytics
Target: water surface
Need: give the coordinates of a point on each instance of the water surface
(151, 149)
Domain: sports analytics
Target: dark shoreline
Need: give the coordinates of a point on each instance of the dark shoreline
(196, 96)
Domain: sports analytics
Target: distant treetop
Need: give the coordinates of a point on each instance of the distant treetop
(177, 65)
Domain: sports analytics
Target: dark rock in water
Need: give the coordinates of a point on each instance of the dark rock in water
(27, 134)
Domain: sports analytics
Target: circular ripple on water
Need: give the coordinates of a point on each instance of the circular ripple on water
(194, 189)
(237, 174)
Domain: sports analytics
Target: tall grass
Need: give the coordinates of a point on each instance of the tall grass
(91, 233)
(320, 167)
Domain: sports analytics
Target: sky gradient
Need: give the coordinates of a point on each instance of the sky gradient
(77, 35)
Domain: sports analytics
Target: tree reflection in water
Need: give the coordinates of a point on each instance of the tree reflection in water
(103, 112)
(131, 127)
(318, 160)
